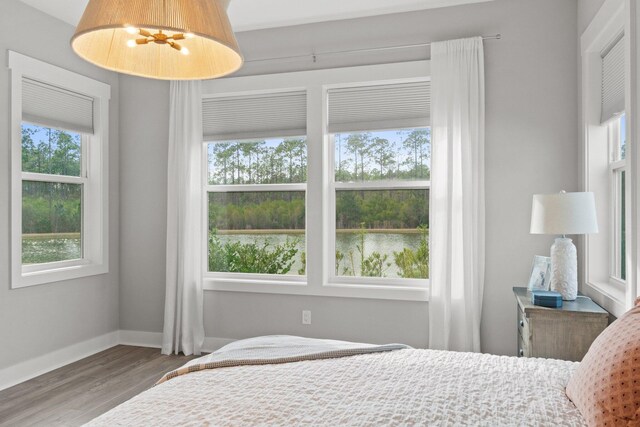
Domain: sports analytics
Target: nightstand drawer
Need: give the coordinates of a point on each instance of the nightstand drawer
(523, 347)
(523, 326)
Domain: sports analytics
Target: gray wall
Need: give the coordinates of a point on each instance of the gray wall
(144, 130)
(39, 319)
(587, 9)
(531, 147)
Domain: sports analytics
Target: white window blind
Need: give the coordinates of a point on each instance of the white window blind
(52, 106)
(613, 80)
(389, 106)
(255, 116)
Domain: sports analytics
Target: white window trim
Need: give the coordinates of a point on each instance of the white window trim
(318, 209)
(96, 191)
(616, 167)
(612, 18)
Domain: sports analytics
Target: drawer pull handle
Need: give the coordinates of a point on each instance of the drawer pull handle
(522, 323)
(521, 352)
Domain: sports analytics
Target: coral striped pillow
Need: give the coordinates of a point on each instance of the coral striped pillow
(606, 385)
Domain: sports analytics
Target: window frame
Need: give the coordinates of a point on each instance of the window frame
(596, 270)
(64, 179)
(319, 178)
(94, 176)
(617, 166)
(226, 188)
(336, 279)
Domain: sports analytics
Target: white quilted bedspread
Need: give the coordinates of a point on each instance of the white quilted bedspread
(401, 387)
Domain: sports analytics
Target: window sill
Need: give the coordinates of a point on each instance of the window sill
(608, 296)
(396, 293)
(41, 277)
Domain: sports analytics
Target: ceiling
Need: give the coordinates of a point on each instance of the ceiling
(248, 15)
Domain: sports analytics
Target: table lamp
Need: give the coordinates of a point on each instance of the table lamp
(564, 213)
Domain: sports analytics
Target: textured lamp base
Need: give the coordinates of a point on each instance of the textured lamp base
(564, 268)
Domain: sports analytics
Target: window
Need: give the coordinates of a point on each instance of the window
(617, 176)
(256, 206)
(609, 150)
(317, 182)
(613, 117)
(604, 102)
(380, 185)
(256, 187)
(381, 190)
(59, 172)
(52, 188)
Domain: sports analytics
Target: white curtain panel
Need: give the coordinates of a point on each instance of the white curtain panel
(183, 313)
(457, 225)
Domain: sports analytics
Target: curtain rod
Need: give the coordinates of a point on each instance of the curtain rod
(314, 56)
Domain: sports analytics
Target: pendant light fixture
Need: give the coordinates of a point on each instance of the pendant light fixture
(159, 39)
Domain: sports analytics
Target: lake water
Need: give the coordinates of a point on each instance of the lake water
(38, 249)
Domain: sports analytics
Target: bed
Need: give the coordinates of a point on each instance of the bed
(285, 380)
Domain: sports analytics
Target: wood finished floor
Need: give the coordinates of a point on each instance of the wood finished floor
(77, 393)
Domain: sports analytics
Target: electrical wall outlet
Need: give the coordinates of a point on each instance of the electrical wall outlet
(306, 317)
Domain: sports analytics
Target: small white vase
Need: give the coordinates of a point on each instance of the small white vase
(564, 268)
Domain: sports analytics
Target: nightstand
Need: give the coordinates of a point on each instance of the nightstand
(558, 333)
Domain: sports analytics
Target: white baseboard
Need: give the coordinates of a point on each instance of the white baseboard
(39, 365)
(154, 340)
(32, 368)
(140, 338)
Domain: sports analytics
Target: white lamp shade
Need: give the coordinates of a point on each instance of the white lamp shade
(564, 213)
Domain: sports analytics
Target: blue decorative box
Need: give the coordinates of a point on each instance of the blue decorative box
(549, 299)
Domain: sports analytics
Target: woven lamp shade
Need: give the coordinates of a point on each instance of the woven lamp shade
(102, 35)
